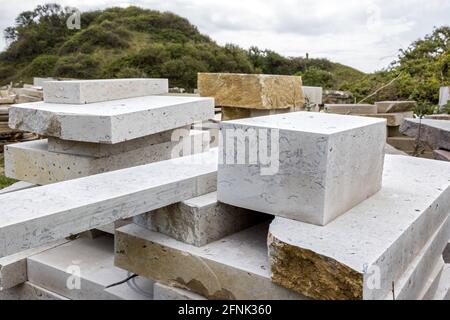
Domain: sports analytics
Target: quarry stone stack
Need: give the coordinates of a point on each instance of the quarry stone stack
(291, 205)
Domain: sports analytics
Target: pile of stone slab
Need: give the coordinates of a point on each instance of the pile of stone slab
(350, 223)
(96, 126)
(252, 95)
(435, 134)
(300, 205)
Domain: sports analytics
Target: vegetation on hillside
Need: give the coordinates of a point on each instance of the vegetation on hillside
(135, 42)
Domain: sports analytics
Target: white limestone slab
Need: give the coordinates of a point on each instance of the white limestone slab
(110, 122)
(83, 269)
(21, 185)
(320, 165)
(435, 133)
(164, 292)
(432, 286)
(385, 232)
(13, 269)
(90, 91)
(410, 285)
(29, 291)
(200, 220)
(351, 109)
(442, 291)
(234, 268)
(32, 162)
(100, 150)
(36, 216)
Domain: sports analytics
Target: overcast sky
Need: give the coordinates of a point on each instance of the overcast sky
(365, 34)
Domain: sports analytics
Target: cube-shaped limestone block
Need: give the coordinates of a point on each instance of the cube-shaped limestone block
(111, 122)
(383, 248)
(90, 91)
(351, 109)
(252, 91)
(199, 221)
(310, 167)
(395, 106)
(314, 95)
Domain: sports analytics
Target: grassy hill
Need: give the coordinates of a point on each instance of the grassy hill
(134, 42)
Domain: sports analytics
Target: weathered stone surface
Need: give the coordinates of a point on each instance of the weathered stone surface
(163, 292)
(351, 109)
(444, 96)
(234, 268)
(388, 149)
(438, 116)
(13, 269)
(252, 91)
(404, 143)
(435, 133)
(99, 150)
(440, 287)
(313, 94)
(94, 260)
(112, 121)
(30, 161)
(433, 281)
(395, 106)
(200, 220)
(446, 254)
(413, 281)
(231, 113)
(29, 291)
(382, 235)
(90, 91)
(442, 155)
(393, 119)
(338, 159)
(36, 216)
(21, 185)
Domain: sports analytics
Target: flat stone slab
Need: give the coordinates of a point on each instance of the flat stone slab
(393, 119)
(29, 291)
(90, 91)
(351, 109)
(33, 217)
(382, 236)
(442, 155)
(313, 94)
(163, 292)
(320, 165)
(32, 162)
(100, 150)
(435, 133)
(112, 121)
(83, 269)
(234, 268)
(200, 220)
(252, 91)
(438, 116)
(13, 269)
(440, 285)
(21, 185)
(395, 106)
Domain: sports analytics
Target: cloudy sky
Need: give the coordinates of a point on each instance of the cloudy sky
(365, 34)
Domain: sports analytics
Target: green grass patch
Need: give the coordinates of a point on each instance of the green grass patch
(4, 181)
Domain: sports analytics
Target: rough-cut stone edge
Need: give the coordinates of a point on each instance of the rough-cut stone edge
(334, 281)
